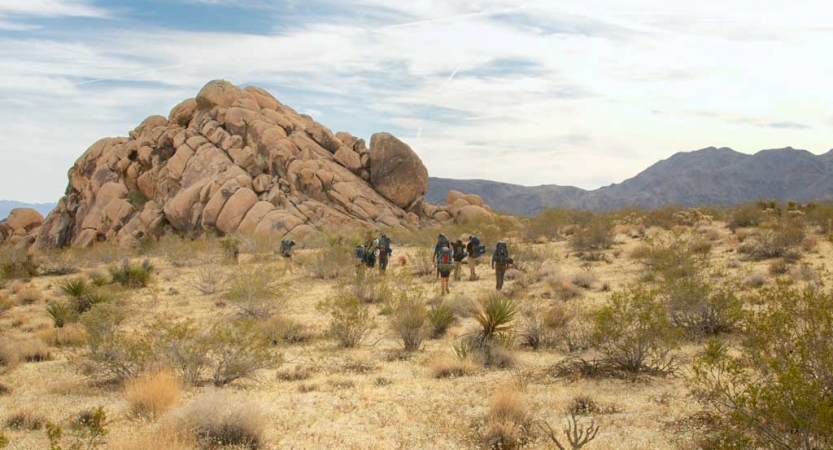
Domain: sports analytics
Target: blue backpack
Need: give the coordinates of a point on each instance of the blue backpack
(360, 252)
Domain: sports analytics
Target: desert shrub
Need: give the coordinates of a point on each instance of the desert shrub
(9, 357)
(440, 316)
(221, 419)
(371, 288)
(745, 216)
(61, 313)
(669, 259)
(410, 323)
(180, 251)
(576, 433)
(283, 330)
(779, 241)
(230, 248)
(461, 305)
(5, 304)
(532, 332)
(25, 420)
(350, 320)
(152, 394)
(334, 261)
(132, 276)
(584, 279)
(548, 224)
(701, 308)
(209, 278)
(256, 293)
(445, 366)
(82, 295)
(72, 335)
(88, 431)
(596, 235)
(238, 351)
(4, 441)
(530, 258)
(777, 394)
(16, 263)
(114, 352)
(490, 345)
(778, 267)
(634, 334)
(423, 262)
(32, 350)
(182, 347)
(508, 423)
(755, 279)
(28, 296)
(561, 288)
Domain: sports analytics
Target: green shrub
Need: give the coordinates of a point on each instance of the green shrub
(350, 320)
(230, 247)
(371, 287)
(183, 348)
(237, 350)
(132, 276)
(492, 342)
(595, 235)
(423, 263)
(334, 261)
(256, 293)
(779, 241)
(744, 216)
(82, 295)
(4, 441)
(634, 334)
(697, 306)
(88, 431)
(778, 394)
(114, 352)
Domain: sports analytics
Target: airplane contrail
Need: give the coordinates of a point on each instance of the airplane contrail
(452, 18)
(457, 69)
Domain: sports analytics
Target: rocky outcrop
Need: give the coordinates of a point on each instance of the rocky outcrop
(461, 209)
(20, 227)
(235, 160)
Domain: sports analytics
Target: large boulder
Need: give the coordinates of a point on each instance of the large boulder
(25, 219)
(396, 171)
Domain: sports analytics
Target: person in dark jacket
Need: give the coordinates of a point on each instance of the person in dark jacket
(500, 262)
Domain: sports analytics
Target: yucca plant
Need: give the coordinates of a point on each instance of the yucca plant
(132, 276)
(75, 289)
(495, 319)
(441, 317)
(61, 313)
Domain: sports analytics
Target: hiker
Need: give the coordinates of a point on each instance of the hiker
(286, 251)
(475, 250)
(460, 254)
(370, 253)
(445, 264)
(384, 253)
(360, 254)
(500, 262)
(442, 241)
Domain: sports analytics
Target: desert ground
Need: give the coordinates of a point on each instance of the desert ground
(312, 392)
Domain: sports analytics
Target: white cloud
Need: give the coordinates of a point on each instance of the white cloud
(608, 87)
(51, 8)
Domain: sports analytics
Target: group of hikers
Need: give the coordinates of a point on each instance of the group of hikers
(449, 257)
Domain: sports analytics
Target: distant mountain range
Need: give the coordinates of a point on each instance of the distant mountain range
(6, 206)
(711, 176)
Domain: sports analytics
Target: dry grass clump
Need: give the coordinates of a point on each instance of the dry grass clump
(461, 305)
(333, 262)
(72, 335)
(32, 350)
(441, 316)
(584, 279)
(508, 423)
(158, 438)
(350, 320)
(409, 319)
(444, 366)
(16, 263)
(28, 296)
(755, 280)
(296, 373)
(557, 286)
(222, 419)
(283, 330)
(256, 293)
(25, 420)
(152, 394)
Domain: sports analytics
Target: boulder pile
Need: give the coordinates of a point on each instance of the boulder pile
(21, 227)
(237, 160)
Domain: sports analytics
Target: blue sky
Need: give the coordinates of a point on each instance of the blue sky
(573, 92)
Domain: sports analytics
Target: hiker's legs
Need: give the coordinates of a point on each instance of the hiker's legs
(383, 263)
(457, 266)
(472, 267)
(500, 272)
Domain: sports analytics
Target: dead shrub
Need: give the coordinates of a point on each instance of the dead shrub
(334, 261)
(283, 330)
(33, 350)
(27, 420)
(72, 335)
(28, 296)
(256, 293)
(778, 267)
(209, 278)
(755, 280)
(447, 367)
(508, 423)
(152, 394)
(350, 320)
(223, 419)
(370, 287)
(584, 279)
(409, 319)
(779, 241)
(238, 351)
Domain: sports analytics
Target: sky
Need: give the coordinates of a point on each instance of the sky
(570, 92)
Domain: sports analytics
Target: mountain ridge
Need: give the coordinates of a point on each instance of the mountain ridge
(716, 176)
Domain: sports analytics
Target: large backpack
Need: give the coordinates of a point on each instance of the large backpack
(476, 248)
(360, 252)
(459, 251)
(384, 246)
(286, 248)
(445, 260)
(502, 254)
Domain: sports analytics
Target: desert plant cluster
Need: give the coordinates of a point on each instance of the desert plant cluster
(706, 328)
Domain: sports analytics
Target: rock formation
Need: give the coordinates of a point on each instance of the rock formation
(20, 227)
(238, 161)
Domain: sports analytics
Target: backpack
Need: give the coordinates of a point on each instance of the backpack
(360, 252)
(286, 248)
(476, 248)
(445, 260)
(502, 254)
(458, 249)
(384, 245)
